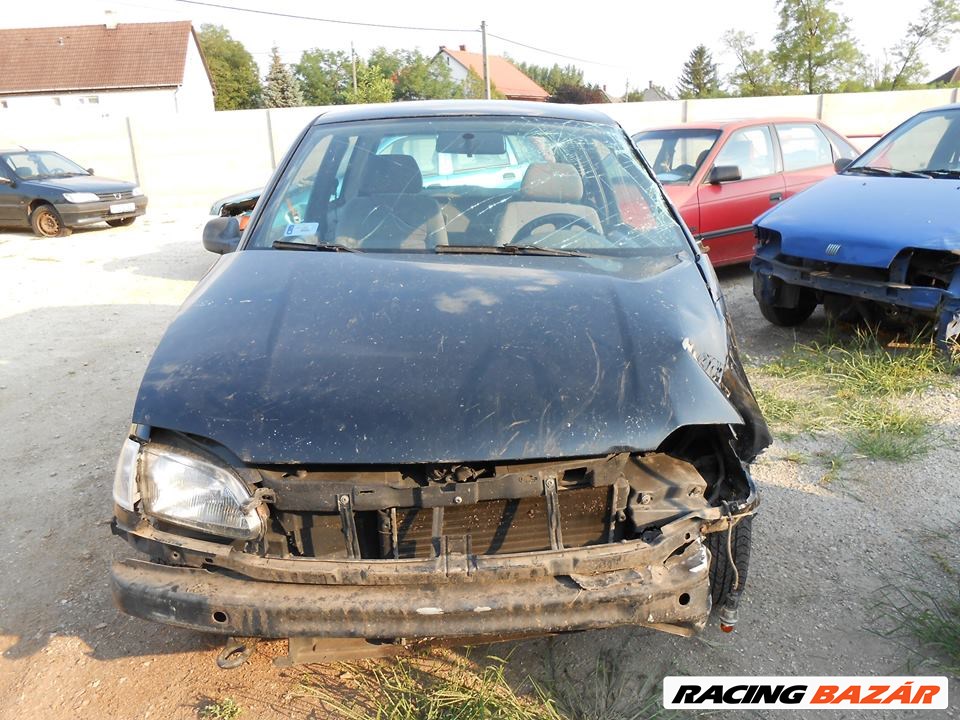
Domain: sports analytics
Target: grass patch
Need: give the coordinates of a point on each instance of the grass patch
(412, 689)
(834, 463)
(447, 686)
(225, 709)
(931, 621)
(854, 388)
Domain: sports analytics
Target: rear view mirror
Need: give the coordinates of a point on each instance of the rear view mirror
(471, 143)
(841, 164)
(724, 173)
(221, 235)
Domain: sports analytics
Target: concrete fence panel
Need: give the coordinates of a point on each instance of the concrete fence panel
(873, 114)
(191, 160)
(100, 143)
(642, 115)
(806, 106)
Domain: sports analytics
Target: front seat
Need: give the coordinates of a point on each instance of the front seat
(546, 189)
(389, 212)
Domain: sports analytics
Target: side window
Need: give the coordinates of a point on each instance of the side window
(841, 148)
(751, 150)
(804, 146)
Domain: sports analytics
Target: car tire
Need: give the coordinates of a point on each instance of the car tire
(721, 569)
(46, 222)
(789, 316)
(121, 222)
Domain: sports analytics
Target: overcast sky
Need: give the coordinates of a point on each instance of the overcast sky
(624, 42)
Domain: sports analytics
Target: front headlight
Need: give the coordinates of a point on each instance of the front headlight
(125, 492)
(188, 490)
(80, 197)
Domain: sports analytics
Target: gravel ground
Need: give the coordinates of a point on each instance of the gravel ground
(79, 318)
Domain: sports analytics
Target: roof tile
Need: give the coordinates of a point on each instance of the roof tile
(93, 57)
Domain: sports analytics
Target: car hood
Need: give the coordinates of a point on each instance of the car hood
(870, 218)
(304, 357)
(86, 183)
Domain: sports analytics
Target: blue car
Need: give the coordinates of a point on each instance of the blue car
(881, 238)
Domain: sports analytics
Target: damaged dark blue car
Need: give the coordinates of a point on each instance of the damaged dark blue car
(465, 374)
(880, 239)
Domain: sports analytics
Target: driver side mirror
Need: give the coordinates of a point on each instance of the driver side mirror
(724, 173)
(841, 164)
(90, 170)
(221, 235)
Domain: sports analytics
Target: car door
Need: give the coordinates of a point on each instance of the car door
(11, 201)
(727, 209)
(807, 155)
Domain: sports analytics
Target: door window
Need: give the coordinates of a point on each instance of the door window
(803, 146)
(751, 150)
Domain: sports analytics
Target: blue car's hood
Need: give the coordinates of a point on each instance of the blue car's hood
(298, 357)
(870, 218)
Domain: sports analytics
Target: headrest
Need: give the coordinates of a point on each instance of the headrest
(391, 175)
(554, 182)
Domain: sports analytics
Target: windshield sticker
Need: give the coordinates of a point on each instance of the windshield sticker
(298, 229)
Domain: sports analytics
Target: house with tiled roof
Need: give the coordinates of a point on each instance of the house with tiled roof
(504, 75)
(950, 77)
(116, 69)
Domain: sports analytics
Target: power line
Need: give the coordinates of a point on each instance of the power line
(326, 20)
(551, 52)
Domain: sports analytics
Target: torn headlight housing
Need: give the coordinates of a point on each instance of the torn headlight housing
(189, 490)
(125, 491)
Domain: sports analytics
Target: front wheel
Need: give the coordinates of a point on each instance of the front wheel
(46, 222)
(121, 222)
(722, 574)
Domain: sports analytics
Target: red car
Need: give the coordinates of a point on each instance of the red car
(721, 175)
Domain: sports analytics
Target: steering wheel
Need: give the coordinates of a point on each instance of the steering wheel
(685, 171)
(560, 221)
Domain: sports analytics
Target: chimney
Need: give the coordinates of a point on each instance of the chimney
(463, 48)
(650, 84)
(111, 22)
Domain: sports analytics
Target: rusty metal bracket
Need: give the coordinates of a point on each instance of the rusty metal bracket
(348, 526)
(330, 650)
(553, 512)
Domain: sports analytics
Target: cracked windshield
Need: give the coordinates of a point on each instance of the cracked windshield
(443, 184)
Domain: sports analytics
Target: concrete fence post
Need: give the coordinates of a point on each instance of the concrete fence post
(133, 152)
(273, 149)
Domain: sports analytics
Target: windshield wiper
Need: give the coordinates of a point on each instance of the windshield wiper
(505, 250)
(883, 172)
(942, 172)
(328, 247)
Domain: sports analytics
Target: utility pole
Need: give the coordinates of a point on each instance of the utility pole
(486, 69)
(353, 61)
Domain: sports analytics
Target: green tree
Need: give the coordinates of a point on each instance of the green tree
(579, 94)
(280, 88)
(551, 78)
(325, 76)
(936, 26)
(699, 78)
(372, 86)
(236, 79)
(415, 76)
(813, 49)
(633, 95)
(755, 73)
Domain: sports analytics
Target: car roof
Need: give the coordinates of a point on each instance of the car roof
(466, 108)
(729, 124)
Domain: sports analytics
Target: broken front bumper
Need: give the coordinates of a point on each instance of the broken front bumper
(663, 584)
